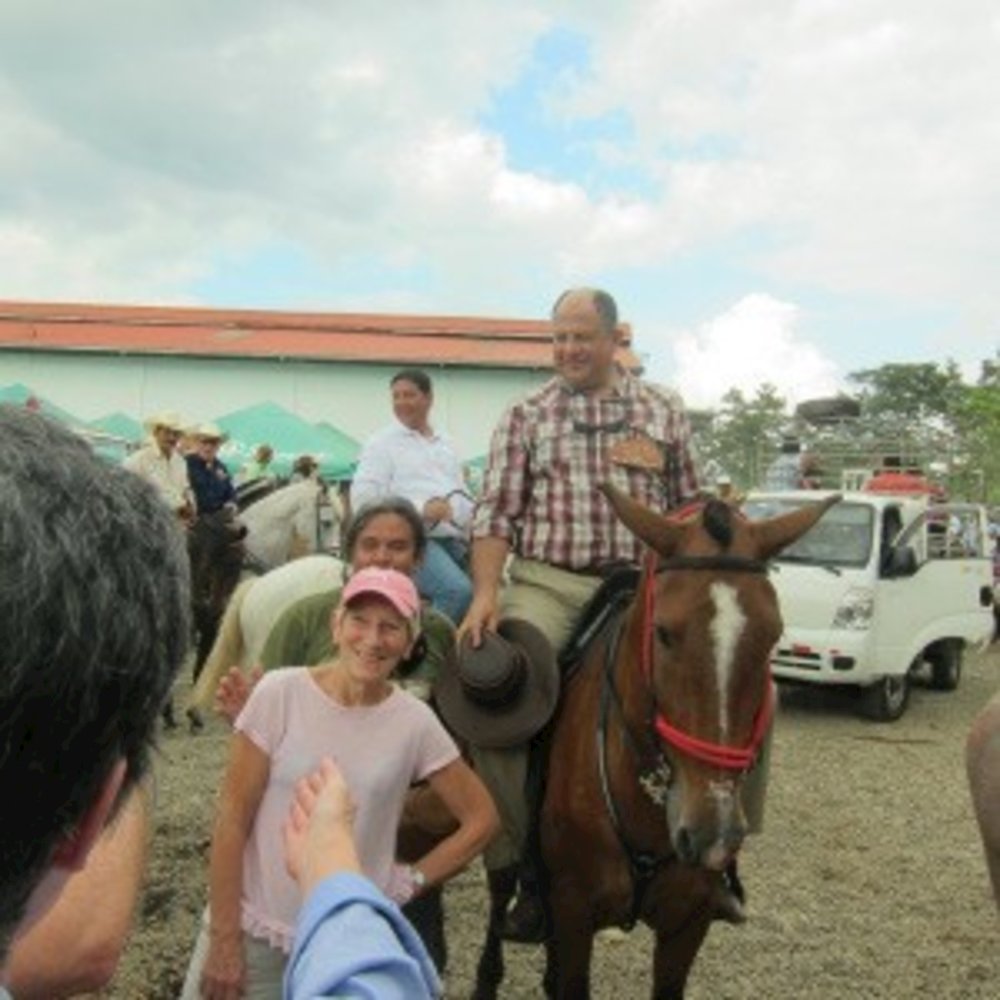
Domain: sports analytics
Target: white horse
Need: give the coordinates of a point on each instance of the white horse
(252, 611)
(292, 522)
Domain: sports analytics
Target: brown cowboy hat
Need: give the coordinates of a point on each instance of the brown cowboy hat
(500, 693)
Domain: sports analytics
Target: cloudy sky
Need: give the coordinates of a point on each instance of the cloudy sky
(774, 190)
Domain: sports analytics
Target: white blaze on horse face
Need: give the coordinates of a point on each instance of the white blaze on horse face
(726, 628)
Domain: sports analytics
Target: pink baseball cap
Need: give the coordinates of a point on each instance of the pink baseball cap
(397, 588)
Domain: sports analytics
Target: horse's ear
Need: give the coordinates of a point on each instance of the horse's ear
(654, 529)
(775, 533)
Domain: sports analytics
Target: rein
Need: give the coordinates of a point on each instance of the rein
(714, 754)
(643, 865)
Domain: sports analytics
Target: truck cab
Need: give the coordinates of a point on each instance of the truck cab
(880, 585)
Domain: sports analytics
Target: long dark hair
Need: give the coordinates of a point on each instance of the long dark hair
(399, 506)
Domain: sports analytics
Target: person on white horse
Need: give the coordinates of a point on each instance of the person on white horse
(209, 478)
(159, 463)
(410, 458)
(258, 467)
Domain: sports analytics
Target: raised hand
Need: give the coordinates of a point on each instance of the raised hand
(319, 830)
(234, 690)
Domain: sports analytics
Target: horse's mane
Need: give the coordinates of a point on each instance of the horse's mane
(717, 520)
(282, 500)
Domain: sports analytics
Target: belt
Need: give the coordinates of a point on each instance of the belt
(603, 571)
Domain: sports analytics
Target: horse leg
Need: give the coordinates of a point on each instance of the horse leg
(426, 914)
(425, 822)
(982, 761)
(226, 651)
(489, 972)
(207, 625)
(678, 940)
(569, 948)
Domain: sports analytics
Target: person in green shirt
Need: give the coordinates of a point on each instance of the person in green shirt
(259, 466)
(388, 533)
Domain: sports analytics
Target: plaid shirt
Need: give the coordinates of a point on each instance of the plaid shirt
(550, 451)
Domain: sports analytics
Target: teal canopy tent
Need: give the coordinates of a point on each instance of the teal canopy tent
(18, 394)
(119, 425)
(290, 436)
(473, 471)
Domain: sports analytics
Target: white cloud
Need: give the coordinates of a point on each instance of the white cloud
(863, 137)
(754, 342)
(843, 148)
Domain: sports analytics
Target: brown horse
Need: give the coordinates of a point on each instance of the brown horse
(216, 550)
(656, 731)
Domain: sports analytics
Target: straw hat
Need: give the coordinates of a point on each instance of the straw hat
(164, 418)
(501, 693)
(209, 432)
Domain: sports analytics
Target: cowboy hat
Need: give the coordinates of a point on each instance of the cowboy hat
(165, 418)
(502, 692)
(210, 432)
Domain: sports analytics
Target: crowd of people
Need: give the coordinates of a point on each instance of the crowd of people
(181, 461)
(304, 879)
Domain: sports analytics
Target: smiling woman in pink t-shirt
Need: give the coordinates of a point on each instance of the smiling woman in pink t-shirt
(382, 739)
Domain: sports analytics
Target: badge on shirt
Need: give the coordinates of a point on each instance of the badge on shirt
(638, 452)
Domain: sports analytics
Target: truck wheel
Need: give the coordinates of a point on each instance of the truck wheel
(945, 659)
(886, 699)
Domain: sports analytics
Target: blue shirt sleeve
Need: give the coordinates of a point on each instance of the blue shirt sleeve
(352, 942)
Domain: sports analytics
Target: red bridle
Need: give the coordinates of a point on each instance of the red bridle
(715, 754)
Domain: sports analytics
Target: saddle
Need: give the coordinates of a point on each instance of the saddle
(612, 595)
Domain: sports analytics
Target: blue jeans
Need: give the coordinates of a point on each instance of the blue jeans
(443, 577)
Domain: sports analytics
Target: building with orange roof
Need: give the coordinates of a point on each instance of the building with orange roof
(332, 367)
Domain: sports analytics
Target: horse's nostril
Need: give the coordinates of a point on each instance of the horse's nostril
(684, 842)
(733, 838)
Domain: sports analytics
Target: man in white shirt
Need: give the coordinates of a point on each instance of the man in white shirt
(410, 459)
(160, 464)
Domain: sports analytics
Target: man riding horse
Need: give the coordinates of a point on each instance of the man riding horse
(591, 423)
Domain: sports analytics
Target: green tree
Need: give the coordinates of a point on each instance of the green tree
(977, 468)
(923, 392)
(740, 437)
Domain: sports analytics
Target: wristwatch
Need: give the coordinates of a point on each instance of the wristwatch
(418, 878)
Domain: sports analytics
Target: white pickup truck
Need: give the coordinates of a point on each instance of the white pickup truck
(879, 585)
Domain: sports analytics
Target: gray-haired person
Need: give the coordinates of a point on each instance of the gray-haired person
(93, 625)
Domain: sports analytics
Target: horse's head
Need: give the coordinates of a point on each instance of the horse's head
(702, 631)
(216, 548)
(218, 536)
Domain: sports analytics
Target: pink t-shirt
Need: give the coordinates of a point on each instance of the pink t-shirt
(380, 749)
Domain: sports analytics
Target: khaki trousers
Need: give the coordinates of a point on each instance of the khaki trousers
(265, 967)
(552, 600)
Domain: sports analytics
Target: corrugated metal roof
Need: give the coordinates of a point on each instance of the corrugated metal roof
(243, 333)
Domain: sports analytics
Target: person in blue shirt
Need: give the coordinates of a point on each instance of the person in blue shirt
(210, 480)
(350, 939)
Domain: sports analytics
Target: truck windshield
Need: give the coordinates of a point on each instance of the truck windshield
(841, 537)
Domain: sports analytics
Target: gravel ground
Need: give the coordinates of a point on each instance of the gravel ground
(868, 881)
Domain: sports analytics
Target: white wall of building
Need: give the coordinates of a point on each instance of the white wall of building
(352, 397)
